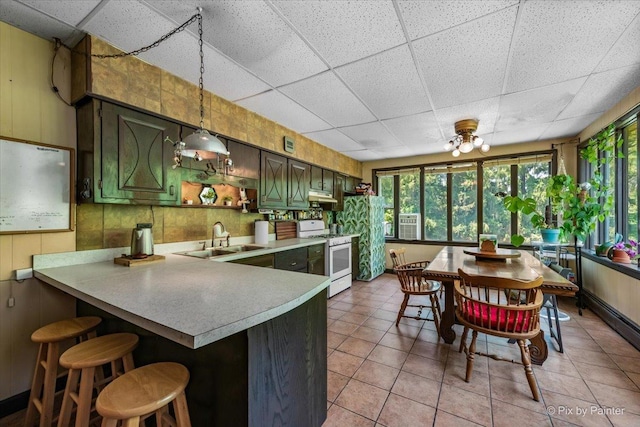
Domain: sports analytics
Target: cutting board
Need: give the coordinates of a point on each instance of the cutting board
(286, 230)
(134, 262)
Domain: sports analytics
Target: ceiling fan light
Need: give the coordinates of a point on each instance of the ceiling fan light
(477, 141)
(456, 153)
(466, 147)
(448, 146)
(484, 147)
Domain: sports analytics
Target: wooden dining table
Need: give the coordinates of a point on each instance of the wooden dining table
(444, 268)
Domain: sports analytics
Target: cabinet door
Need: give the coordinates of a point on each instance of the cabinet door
(246, 160)
(258, 261)
(350, 185)
(298, 184)
(136, 162)
(315, 262)
(273, 185)
(316, 178)
(292, 260)
(338, 191)
(327, 180)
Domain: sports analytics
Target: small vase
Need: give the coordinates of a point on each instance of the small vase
(620, 257)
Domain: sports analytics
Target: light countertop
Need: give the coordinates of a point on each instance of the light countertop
(189, 300)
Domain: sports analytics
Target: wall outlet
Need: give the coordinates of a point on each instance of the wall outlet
(25, 273)
(11, 302)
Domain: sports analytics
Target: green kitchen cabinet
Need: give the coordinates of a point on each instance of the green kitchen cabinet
(266, 260)
(284, 183)
(292, 260)
(123, 156)
(315, 259)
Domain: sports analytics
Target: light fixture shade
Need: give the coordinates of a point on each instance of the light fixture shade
(456, 153)
(484, 147)
(201, 145)
(466, 147)
(477, 141)
(448, 146)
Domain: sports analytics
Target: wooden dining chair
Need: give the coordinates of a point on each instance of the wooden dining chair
(413, 284)
(502, 307)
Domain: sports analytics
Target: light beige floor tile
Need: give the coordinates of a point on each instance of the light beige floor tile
(343, 363)
(623, 419)
(335, 384)
(340, 417)
(368, 334)
(454, 375)
(558, 362)
(386, 315)
(507, 415)
(612, 377)
(363, 399)
(599, 358)
(465, 404)
(405, 330)
(344, 328)
(334, 313)
(417, 388)
(343, 306)
(334, 339)
(626, 363)
(388, 356)
(377, 374)
(380, 324)
(398, 342)
(613, 397)
(564, 384)
(363, 309)
(515, 393)
(355, 318)
(575, 411)
(509, 371)
(427, 368)
(402, 412)
(430, 350)
(634, 377)
(445, 419)
(356, 347)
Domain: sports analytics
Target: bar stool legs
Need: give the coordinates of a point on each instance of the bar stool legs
(82, 361)
(46, 370)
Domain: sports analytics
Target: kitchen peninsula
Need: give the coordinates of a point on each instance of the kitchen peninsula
(254, 339)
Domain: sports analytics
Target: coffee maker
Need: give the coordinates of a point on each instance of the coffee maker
(142, 241)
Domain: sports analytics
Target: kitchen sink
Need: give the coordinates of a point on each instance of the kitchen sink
(226, 250)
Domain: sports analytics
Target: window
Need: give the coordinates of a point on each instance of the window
(452, 205)
(630, 138)
(386, 187)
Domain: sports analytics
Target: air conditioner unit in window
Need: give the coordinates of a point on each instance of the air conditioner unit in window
(409, 226)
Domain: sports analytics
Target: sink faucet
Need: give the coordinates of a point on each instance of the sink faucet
(219, 233)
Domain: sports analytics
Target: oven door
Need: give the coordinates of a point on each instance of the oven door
(339, 261)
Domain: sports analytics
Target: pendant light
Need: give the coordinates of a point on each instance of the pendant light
(201, 145)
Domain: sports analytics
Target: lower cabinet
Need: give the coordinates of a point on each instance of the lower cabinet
(259, 261)
(292, 260)
(315, 259)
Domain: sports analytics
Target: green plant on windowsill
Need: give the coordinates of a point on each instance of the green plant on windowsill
(528, 207)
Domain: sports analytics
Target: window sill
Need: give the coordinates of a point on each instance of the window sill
(631, 270)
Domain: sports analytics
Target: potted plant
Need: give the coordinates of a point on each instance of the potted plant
(227, 200)
(542, 221)
(624, 252)
(586, 204)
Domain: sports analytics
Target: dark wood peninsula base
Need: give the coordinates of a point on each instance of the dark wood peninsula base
(274, 373)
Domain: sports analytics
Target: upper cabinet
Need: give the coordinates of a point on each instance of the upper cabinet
(321, 179)
(283, 182)
(122, 156)
(246, 160)
(339, 183)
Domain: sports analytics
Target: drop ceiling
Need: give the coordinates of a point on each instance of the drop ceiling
(381, 79)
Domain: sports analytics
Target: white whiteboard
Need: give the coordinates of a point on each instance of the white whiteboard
(36, 187)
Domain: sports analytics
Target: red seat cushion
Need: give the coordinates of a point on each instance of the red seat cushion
(487, 317)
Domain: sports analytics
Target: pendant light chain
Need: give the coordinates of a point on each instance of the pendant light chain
(201, 83)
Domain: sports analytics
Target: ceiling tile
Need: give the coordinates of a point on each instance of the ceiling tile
(343, 31)
(621, 54)
(429, 17)
(30, 20)
(523, 134)
(569, 127)
(602, 91)
(395, 151)
(466, 63)
(539, 105)
(415, 130)
(363, 155)
(370, 135)
(388, 83)
(485, 111)
(253, 35)
(283, 110)
(326, 96)
(561, 40)
(334, 139)
(71, 12)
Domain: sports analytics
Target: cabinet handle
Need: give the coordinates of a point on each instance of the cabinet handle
(293, 263)
(171, 190)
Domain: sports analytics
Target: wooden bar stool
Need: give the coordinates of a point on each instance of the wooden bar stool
(43, 386)
(82, 361)
(145, 391)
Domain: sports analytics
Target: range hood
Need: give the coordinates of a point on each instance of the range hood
(321, 197)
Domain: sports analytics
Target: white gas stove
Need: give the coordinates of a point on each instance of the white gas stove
(337, 257)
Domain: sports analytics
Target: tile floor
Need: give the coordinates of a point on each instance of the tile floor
(380, 375)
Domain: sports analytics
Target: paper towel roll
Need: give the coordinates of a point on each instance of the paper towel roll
(262, 232)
